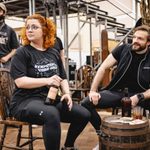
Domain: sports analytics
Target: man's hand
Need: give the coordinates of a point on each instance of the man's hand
(134, 100)
(94, 97)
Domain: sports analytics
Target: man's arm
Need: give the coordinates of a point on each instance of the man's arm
(135, 98)
(109, 62)
(147, 94)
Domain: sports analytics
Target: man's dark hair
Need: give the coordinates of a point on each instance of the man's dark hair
(143, 28)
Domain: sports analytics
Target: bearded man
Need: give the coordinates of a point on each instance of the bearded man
(132, 72)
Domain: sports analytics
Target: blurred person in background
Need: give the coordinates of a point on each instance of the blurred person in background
(59, 47)
(8, 40)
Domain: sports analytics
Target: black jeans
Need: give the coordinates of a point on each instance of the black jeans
(109, 99)
(50, 116)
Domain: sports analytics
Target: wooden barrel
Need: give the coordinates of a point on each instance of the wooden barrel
(123, 136)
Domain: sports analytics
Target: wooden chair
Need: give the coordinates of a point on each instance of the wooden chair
(6, 88)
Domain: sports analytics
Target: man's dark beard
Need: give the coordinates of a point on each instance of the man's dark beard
(141, 48)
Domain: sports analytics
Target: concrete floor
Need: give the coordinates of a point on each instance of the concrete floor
(86, 141)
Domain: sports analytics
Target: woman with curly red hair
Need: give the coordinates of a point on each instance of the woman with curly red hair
(36, 67)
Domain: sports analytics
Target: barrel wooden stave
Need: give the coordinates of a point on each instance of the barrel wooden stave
(124, 136)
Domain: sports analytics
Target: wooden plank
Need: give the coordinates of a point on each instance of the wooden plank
(105, 52)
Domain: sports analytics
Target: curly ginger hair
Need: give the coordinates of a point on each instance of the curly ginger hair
(48, 27)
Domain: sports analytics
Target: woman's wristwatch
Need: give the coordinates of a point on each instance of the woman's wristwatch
(140, 97)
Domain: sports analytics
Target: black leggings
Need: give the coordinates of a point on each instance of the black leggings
(109, 99)
(50, 116)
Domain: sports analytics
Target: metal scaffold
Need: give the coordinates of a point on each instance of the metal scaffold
(87, 12)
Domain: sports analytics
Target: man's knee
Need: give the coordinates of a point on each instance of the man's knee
(87, 104)
(86, 115)
(85, 101)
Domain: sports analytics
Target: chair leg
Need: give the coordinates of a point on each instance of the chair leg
(31, 137)
(115, 111)
(3, 136)
(19, 136)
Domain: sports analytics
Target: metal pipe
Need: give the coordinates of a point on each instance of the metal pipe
(121, 10)
(33, 6)
(91, 58)
(65, 33)
(30, 7)
(124, 38)
(6, 2)
(97, 66)
(76, 34)
(79, 41)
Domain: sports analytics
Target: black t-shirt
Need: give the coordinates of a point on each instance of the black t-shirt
(31, 62)
(8, 40)
(129, 80)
